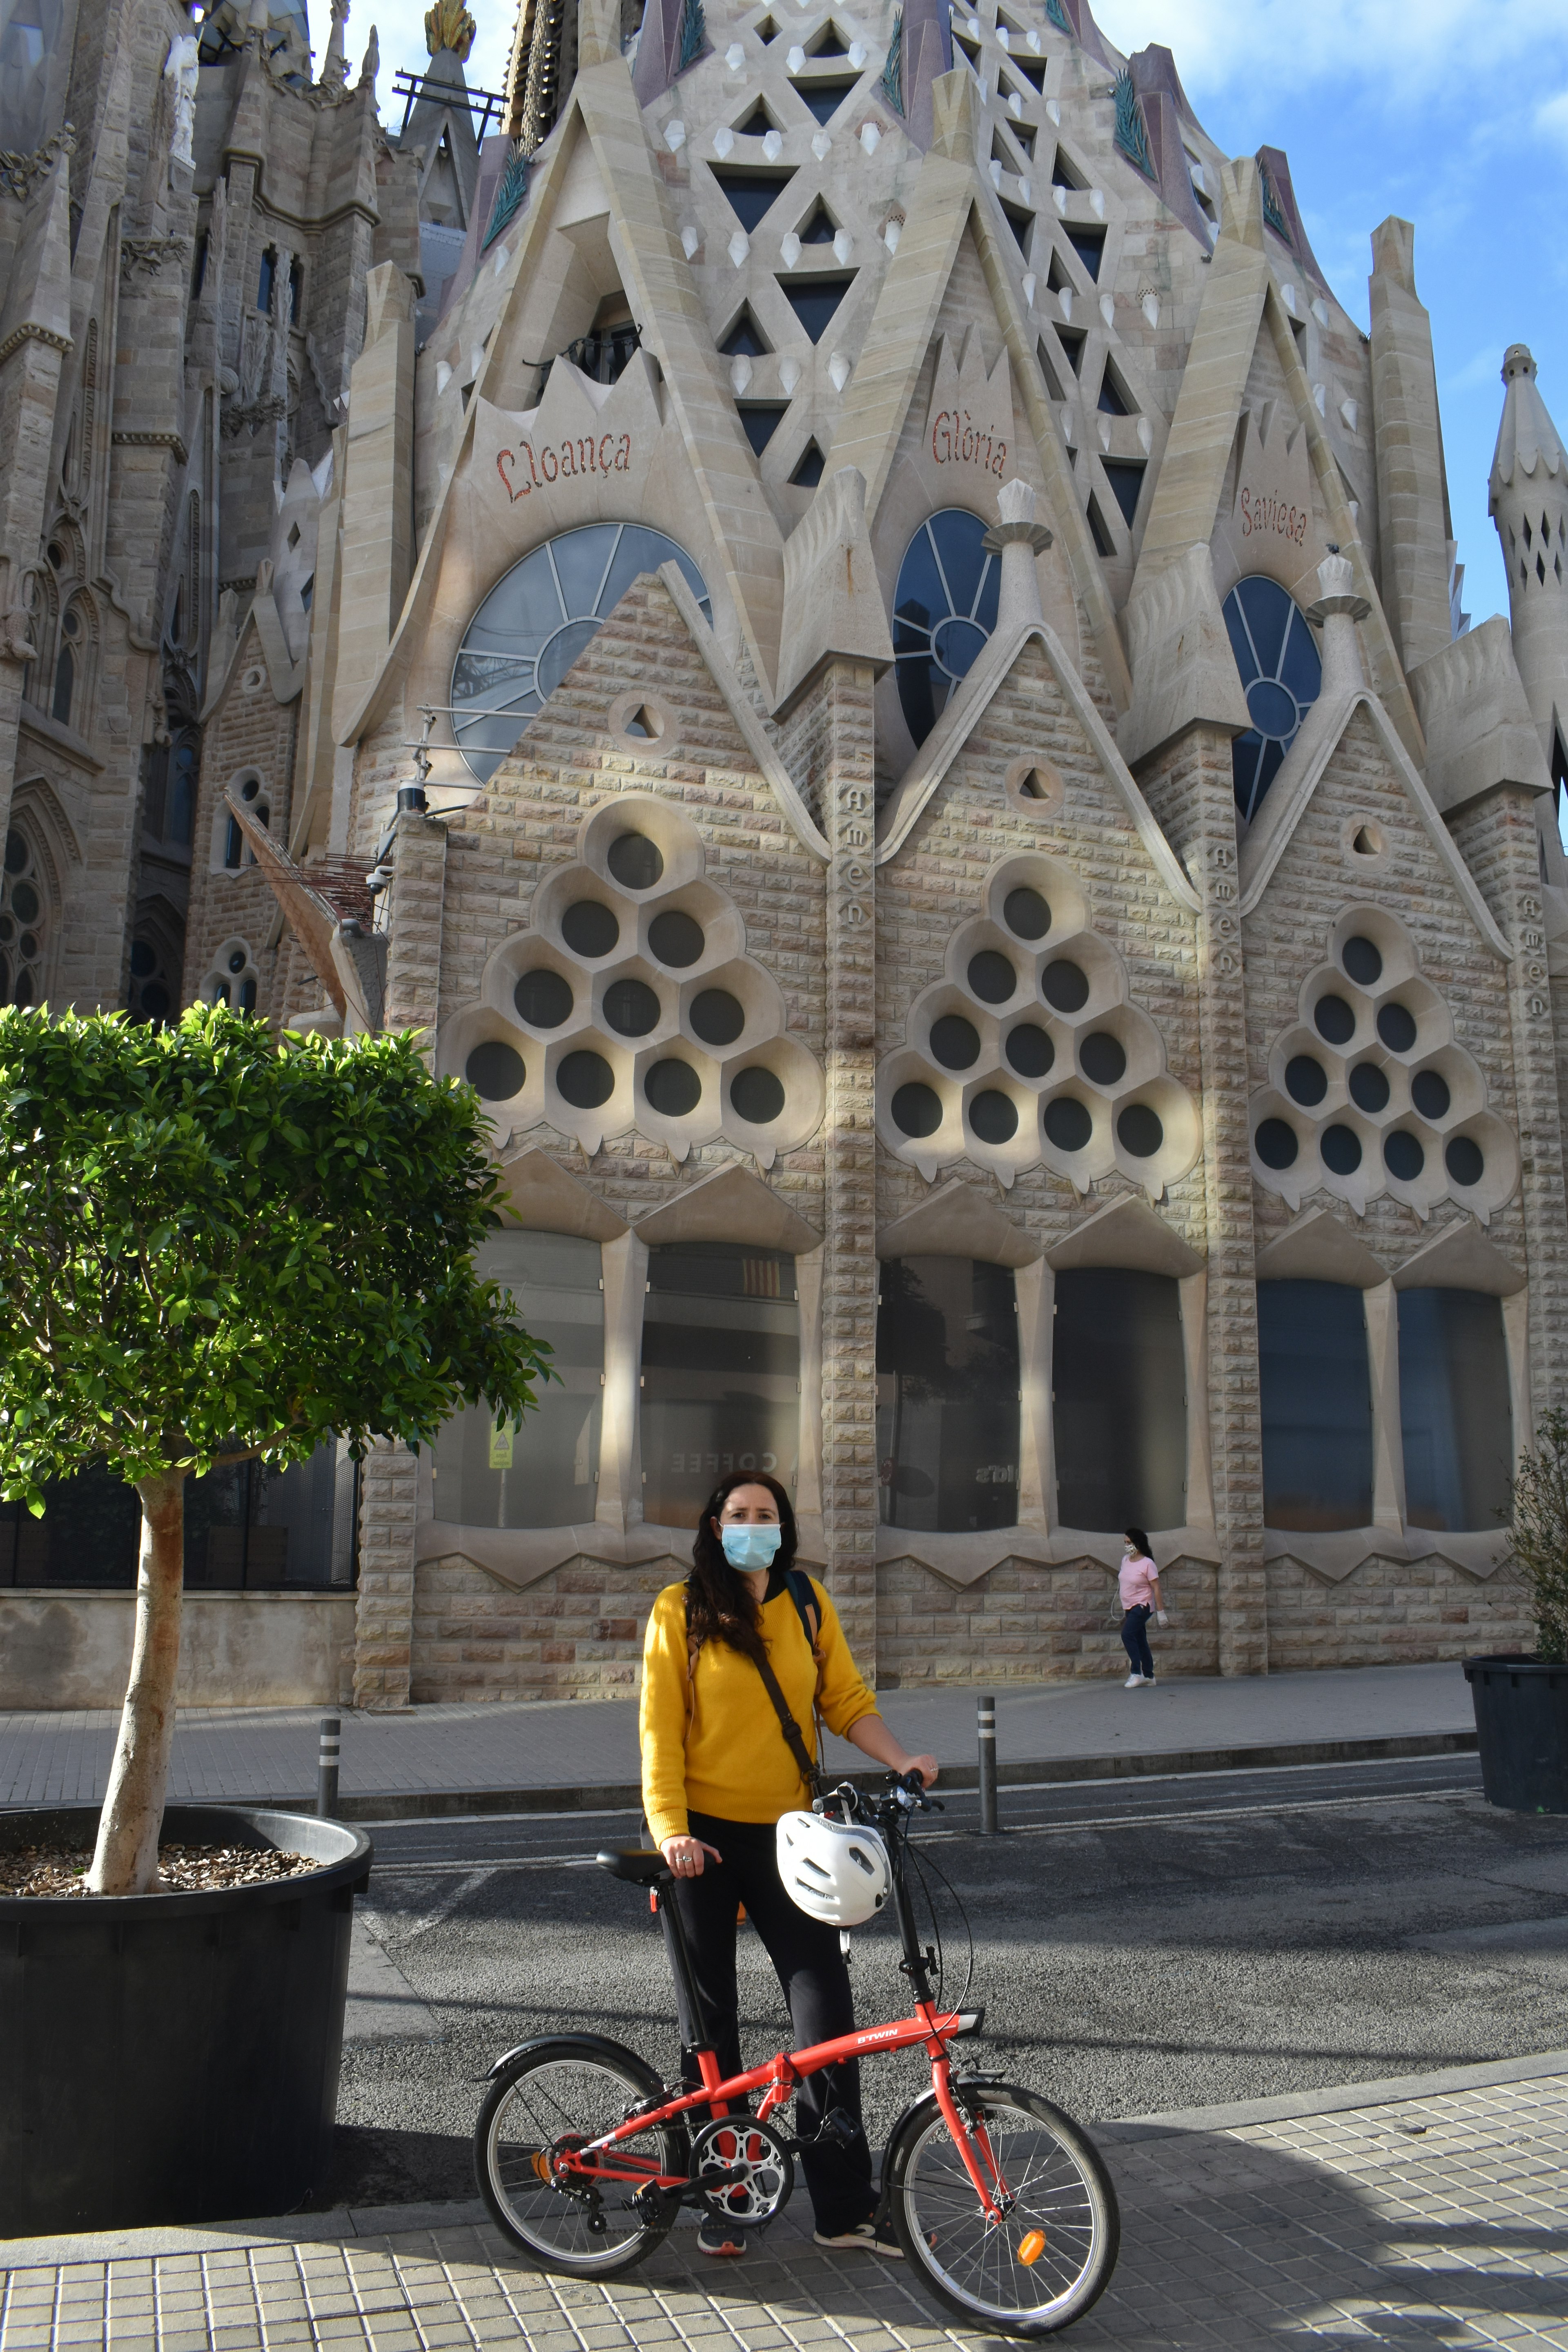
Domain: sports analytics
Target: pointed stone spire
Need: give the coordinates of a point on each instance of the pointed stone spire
(1529, 503)
(1412, 492)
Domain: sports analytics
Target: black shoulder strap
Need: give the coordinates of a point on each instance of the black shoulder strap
(804, 1600)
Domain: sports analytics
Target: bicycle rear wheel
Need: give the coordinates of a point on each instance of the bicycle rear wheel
(549, 2098)
(1048, 2259)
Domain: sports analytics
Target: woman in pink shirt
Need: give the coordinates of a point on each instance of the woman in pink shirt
(1140, 1581)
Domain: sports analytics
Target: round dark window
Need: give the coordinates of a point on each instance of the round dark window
(635, 862)
(1341, 1150)
(917, 1110)
(1140, 1131)
(495, 1071)
(15, 852)
(1275, 1143)
(589, 928)
(1369, 1087)
(1464, 1161)
(1306, 1081)
(25, 902)
(586, 1080)
(1026, 913)
(1362, 961)
(1102, 1058)
(1029, 1050)
(993, 1117)
(717, 1016)
(1067, 1123)
(673, 1088)
(1397, 1027)
(1429, 1093)
(236, 962)
(1334, 1020)
(1403, 1155)
(757, 1096)
(155, 1000)
(631, 1008)
(543, 999)
(675, 938)
(1065, 986)
(954, 1041)
(992, 977)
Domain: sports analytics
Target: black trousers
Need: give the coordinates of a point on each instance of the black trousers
(810, 1969)
(1135, 1641)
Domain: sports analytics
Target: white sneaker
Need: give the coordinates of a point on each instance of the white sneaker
(1133, 1682)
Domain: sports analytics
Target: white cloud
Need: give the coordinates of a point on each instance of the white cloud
(1553, 117)
(1218, 45)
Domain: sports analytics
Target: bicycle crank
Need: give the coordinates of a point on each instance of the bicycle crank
(745, 2168)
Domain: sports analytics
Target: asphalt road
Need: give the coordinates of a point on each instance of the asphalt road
(1138, 1946)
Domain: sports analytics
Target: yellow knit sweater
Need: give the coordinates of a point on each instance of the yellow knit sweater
(717, 1746)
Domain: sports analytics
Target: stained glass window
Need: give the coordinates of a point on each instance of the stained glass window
(944, 610)
(1282, 676)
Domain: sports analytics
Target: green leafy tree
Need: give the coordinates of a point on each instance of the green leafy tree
(1538, 1533)
(219, 1242)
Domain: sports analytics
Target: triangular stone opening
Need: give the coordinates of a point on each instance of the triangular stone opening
(816, 300)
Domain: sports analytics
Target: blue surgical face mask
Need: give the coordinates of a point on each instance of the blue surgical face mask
(750, 1547)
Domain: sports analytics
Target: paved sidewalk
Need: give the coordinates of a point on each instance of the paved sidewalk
(590, 1749)
(1434, 2217)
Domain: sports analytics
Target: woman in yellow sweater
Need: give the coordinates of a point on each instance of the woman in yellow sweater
(717, 1772)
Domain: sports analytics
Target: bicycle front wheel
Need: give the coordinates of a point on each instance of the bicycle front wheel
(1049, 2257)
(550, 2099)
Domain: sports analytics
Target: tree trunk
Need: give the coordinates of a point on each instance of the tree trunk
(125, 1861)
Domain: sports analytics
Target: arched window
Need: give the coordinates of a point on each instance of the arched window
(23, 923)
(537, 619)
(1282, 676)
(1316, 1398)
(1456, 1418)
(947, 1395)
(1118, 1382)
(944, 608)
(66, 667)
(180, 803)
(266, 279)
(721, 1372)
(296, 291)
(229, 850)
(545, 1474)
(233, 979)
(153, 985)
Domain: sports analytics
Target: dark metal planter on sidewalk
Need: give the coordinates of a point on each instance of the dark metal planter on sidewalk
(1521, 1725)
(172, 2057)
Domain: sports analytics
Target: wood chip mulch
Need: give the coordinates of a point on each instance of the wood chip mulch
(182, 1869)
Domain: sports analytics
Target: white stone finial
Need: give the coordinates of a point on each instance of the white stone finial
(1016, 501)
(1336, 576)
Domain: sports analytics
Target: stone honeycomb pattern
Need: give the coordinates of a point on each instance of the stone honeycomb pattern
(630, 1002)
(1030, 1052)
(1369, 1093)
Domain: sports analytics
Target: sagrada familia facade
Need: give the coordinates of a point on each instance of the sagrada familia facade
(822, 595)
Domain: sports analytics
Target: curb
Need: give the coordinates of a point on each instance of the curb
(625, 1796)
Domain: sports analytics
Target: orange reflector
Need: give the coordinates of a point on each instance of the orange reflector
(542, 2163)
(1032, 2247)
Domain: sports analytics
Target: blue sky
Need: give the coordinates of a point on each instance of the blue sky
(1455, 116)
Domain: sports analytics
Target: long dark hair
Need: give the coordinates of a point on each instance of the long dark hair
(1138, 1539)
(719, 1604)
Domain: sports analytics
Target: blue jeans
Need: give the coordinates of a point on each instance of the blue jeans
(1135, 1639)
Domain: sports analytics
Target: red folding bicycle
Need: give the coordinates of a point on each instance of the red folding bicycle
(1001, 2203)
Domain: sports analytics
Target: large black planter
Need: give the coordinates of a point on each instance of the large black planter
(172, 2057)
(1522, 1727)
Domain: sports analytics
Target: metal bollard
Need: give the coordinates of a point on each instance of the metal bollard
(987, 1768)
(327, 1768)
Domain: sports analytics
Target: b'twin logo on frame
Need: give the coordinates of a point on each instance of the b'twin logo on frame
(877, 2033)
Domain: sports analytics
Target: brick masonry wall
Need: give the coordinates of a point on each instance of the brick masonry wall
(1390, 1612)
(383, 1613)
(576, 1633)
(1022, 1623)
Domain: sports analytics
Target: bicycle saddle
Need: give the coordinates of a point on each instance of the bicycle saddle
(639, 1865)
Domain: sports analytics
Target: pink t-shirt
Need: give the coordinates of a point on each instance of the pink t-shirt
(1136, 1577)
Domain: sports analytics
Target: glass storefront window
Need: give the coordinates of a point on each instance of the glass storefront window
(545, 1474)
(721, 1373)
(1454, 1410)
(947, 1395)
(1316, 1406)
(1119, 1382)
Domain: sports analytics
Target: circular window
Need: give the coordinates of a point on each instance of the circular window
(1275, 1143)
(1306, 1081)
(954, 1041)
(676, 940)
(1341, 1150)
(1362, 961)
(590, 929)
(1102, 1058)
(717, 1017)
(1334, 1020)
(586, 1080)
(992, 977)
(1281, 677)
(1397, 1027)
(1065, 986)
(535, 622)
(631, 1008)
(993, 1117)
(1403, 1155)
(1067, 1123)
(635, 862)
(543, 999)
(757, 1096)
(1369, 1087)
(1464, 1161)
(236, 962)
(917, 1110)
(25, 905)
(1429, 1093)
(1030, 1051)
(495, 1071)
(21, 924)
(1140, 1131)
(1026, 913)
(673, 1088)
(944, 608)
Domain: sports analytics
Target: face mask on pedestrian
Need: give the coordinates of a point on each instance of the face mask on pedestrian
(750, 1547)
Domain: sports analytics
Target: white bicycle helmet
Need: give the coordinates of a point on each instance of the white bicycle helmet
(834, 1871)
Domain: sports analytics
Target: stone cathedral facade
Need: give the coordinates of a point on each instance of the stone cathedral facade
(824, 595)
